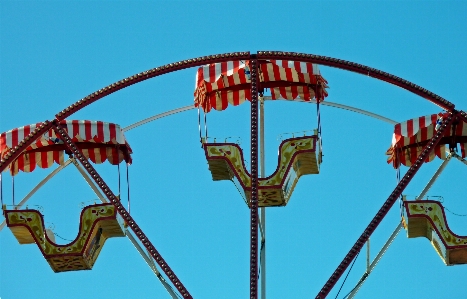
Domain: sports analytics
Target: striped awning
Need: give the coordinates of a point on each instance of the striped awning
(411, 136)
(221, 84)
(99, 141)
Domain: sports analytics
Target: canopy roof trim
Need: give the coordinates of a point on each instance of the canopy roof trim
(99, 141)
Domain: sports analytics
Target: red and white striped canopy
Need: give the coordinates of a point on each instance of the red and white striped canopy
(221, 84)
(99, 141)
(411, 136)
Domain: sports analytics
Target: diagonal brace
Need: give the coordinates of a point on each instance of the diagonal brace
(121, 209)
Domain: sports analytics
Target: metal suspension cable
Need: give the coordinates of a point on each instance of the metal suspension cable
(325, 103)
(118, 170)
(1, 190)
(205, 126)
(13, 188)
(348, 272)
(199, 126)
(38, 186)
(459, 158)
(157, 116)
(128, 187)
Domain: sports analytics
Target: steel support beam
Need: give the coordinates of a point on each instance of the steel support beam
(262, 161)
(254, 180)
(121, 209)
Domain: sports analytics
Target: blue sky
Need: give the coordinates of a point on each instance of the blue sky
(54, 53)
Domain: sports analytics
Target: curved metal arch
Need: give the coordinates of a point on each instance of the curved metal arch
(188, 63)
(323, 60)
(190, 107)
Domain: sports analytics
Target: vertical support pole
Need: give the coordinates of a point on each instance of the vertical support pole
(263, 209)
(254, 180)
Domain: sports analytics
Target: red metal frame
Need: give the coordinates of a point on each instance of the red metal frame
(254, 180)
(277, 55)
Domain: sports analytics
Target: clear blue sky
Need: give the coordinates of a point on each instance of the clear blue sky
(54, 53)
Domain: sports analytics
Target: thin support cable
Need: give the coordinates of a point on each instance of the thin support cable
(206, 125)
(118, 170)
(128, 187)
(355, 259)
(318, 113)
(199, 126)
(401, 197)
(1, 189)
(13, 188)
(320, 139)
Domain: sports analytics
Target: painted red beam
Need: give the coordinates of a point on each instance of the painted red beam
(151, 73)
(254, 180)
(121, 210)
(386, 207)
(361, 69)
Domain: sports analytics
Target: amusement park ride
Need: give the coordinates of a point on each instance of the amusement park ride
(223, 80)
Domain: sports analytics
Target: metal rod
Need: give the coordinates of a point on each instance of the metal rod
(38, 186)
(397, 230)
(132, 239)
(151, 264)
(447, 121)
(375, 261)
(263, 209)
(459, 158)
(434, 177)
(13, 188)
(326, 103)
(1, 191)
(254, 180)
(368, 255)
(121, 210)
(91, 184)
